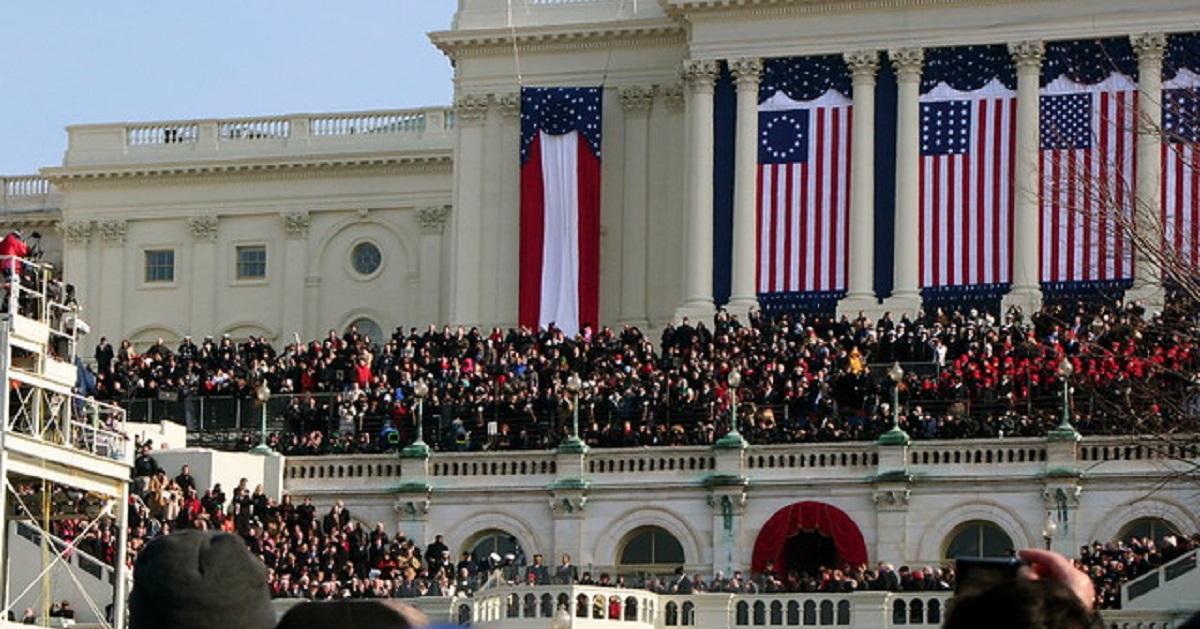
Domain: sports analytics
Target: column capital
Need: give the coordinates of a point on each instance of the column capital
(673, 96)
(746, 72)
(471, 108)
(295, 224)
(75, 233)
(113, 232)
(700, 74)
(863, 64)
(432, 219)
(204, 228)
(509, 104)
(637, 98)
(1027, 55)
(907, 63)
(1149, 46)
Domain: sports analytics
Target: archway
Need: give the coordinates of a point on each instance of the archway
(806, 535)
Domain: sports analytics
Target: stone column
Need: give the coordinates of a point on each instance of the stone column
(205, 230)
(465, 258)
(1026, 246)
(860, 285)
(743, 294)
(76, 237)
(507, 234)
(906, 294)
(112, 269)
(432, 222)
(295, 262)
(700, 75)
(1148, 275)
(636, 101)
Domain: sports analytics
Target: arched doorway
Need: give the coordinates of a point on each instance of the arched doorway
(807, 535)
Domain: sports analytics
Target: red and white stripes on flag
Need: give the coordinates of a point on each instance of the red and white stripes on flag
(1181, 168)
(966, 185)
(560, 208)
(1087, 172)
(803, 193)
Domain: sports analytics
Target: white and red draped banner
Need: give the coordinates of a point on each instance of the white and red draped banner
(803, 193)
(1181, 168)
(560, 208)
(966, 185)
(1087, 172)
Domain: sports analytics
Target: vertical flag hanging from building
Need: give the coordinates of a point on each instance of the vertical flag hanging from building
(1088, 126)
(968, 131)
(804, 117)
(1181, 151)
(560, 207)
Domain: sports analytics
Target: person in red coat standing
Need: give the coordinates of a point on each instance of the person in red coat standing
(12, 245)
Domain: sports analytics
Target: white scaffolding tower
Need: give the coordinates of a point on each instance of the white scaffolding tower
(50, 433)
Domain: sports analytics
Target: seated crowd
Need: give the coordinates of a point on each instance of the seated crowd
(968, 374)
(319, 554)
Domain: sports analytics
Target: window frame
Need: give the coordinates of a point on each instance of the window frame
(151, 268)
(239, 264)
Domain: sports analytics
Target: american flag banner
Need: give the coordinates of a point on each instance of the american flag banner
(1181, 168)
(966, 185)
(1087, 171)
(559, 275)
(803, 193)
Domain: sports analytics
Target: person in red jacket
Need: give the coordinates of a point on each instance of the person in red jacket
(12, 245)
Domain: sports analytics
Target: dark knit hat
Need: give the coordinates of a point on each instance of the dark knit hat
(199, 580)
(381, 614)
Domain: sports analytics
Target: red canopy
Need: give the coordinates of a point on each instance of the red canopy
(808, 516)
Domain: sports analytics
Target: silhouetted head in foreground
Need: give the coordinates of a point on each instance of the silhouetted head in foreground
(1020, 604)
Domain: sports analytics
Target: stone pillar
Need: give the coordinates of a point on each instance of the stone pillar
(1026, 246)
(700, 75)
(891, 497)
(906, 296)
(1148, 274)
(205, 230)
(112, 269)
(465, 257)
(432, 222)
(860, 285)
(295, 263)
(76, 237)
(744, 294)
(727, 499)
(636, 101)
(507, 235)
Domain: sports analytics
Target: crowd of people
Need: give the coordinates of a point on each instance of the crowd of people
(324, 553)
(802, 378)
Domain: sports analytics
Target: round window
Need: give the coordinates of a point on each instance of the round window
(366, 258)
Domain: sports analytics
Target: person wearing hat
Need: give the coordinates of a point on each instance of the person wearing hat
(199, 580)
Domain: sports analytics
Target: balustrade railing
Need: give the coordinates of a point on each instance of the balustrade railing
(25, 186)
(254, 129)
(382, 122)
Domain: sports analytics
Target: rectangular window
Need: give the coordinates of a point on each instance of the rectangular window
(251, 262)
(160, 265)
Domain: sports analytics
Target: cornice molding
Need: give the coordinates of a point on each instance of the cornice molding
(68, 177)
(489, 42)
(685, 9)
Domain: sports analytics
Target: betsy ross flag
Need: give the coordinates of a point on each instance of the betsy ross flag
(1087, 169)
(966, 185)
(560, 207)
(1181, 167)
(803, 193)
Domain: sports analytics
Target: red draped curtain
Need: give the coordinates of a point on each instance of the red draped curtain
(808, 516)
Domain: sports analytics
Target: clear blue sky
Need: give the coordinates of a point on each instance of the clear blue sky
(83, 61)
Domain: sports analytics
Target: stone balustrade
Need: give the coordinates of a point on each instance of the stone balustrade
(292, 136)
(834, 462)
(27, 192)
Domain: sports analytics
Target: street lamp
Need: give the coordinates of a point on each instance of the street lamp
(418, 448)
(733, 438)
(1049, 530)
(896, 435)
(573, 444)
(262, 394)
(1065, 430)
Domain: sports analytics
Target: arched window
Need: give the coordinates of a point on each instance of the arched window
(369, 328)
(495, 541)
(978, 539)
(652, 550)
(1153, 528)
